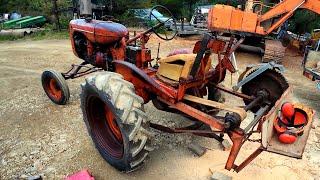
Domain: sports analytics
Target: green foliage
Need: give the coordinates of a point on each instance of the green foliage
(185, 8)
(40, 35)
(304, 21)
(8, 38)
(118, 7)
(32, 7)
(160, 30)
(230, 2)
(130, 20)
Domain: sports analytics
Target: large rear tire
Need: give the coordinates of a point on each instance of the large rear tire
(115, 120)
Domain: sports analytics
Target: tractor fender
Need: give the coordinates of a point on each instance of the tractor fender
(145, 86)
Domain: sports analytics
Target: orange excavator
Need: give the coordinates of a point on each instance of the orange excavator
(255, 23)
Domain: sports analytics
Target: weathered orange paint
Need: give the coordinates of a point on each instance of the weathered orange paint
(103, 32)
(219, 17)
(237, 17)
(143, 76)
(249, 22)
(228, 18)
(312, 5)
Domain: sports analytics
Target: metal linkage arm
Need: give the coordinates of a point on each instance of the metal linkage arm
(260, 70)
(204, 43)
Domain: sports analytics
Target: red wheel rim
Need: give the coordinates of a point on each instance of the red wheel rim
(104, 127)
(54, 89)
(112, 123)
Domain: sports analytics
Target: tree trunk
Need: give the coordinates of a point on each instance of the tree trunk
(56, 15)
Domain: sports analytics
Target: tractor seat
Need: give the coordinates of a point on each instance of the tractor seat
(176, 66)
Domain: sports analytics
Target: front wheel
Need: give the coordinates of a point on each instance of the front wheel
(55, 86)
(115, 120)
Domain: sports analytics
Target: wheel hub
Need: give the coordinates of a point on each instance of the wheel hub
(54, 89)
(104, 127)
(112, 123)
(270, 85)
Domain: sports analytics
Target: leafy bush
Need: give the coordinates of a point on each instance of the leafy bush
(40, 35)
(304, 21)
(129, 20)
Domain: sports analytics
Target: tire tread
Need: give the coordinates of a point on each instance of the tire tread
(129, 111)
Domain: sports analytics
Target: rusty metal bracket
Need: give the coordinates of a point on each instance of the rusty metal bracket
(74, 72)
(221, 106)
(261, 112)
(200, 54)
(240, 95)
(249, 159)
(189, 130)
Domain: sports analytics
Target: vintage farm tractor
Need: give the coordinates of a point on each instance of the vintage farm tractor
(185, 83)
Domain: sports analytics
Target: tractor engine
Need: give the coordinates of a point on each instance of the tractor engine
(134, 56)
(97, 42)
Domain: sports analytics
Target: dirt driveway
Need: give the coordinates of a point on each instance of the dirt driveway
(38, 137)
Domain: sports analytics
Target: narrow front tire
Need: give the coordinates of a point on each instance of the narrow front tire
(55, 86)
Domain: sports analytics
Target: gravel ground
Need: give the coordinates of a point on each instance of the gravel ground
(40, 138)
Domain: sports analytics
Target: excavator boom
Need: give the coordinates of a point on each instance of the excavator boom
(228, 18)
(312, 5)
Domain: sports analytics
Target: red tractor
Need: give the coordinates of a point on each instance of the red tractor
(112, 100)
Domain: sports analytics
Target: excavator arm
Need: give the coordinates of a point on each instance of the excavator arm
(283, 7)
(223, 18)
(227, 18)
(312, 5)
(287, 8)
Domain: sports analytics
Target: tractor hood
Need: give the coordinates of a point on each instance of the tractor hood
(103, 32)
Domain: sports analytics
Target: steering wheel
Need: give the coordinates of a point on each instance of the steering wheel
(161, 28)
